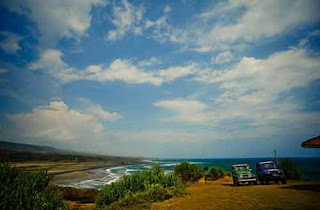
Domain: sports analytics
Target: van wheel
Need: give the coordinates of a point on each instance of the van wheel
(284, 181)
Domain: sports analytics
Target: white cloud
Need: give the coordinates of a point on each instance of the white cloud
(3, 71)
(119, 70)
(259, 90)
(150, 62)
(10, 43)
(162, 31)
(55, 121)
(102, 114)
(255, 94)
(167, 9)
(98, 111)
(169, 136)
(126, 17)
(172, 73)
(94, 68)
(293, 68)
(51, 61)
(123, 70)
(57, 19)
(188, 110)
(223, 57)
(315, 33)
(276, 17)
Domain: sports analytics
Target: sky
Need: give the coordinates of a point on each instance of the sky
(177, 79)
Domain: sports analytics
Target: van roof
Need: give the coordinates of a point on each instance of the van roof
(239, 165)
(270, 161)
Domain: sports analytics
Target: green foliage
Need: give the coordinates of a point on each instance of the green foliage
(139, 188)
(27, 191)
(188, 172)
(142, 199)
(215, 173)
(290, 169)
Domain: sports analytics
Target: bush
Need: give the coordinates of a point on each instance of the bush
(143, 199)
(290, 169)
(139, 188)
(188, 172)
(215, 173)
(27, 191)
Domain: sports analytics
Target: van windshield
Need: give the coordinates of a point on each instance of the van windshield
(268, 166)
(241, 168)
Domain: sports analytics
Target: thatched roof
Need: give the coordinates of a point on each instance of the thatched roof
(312, 143)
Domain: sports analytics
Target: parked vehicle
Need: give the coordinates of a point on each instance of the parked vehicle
(241, 173)
(268, 171)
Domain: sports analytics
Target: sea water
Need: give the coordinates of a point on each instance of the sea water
(310, 168)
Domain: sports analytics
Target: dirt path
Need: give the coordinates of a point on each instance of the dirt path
(222, 194)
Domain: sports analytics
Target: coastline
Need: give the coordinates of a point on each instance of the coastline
(306, 166)
(68, 179)
(81, 179)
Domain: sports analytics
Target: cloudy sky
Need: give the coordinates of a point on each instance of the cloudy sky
(168, 78)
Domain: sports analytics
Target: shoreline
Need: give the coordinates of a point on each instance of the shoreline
(72, 178)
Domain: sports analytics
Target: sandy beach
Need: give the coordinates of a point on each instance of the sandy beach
(66, 171)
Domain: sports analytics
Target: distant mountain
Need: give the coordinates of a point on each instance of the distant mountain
(11, 151)
(19, 147)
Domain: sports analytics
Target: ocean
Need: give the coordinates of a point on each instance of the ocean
(310, 168)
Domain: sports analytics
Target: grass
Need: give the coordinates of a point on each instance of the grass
(221, 194)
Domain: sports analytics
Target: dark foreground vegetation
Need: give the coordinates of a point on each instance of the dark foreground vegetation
(28, 191)
(291, 170)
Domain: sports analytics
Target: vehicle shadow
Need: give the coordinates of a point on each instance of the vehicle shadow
(308, 187)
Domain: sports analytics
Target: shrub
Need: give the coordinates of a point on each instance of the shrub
(144, 186)
(140, 200)
(214, 173)
(27, 191)
(290, 169)
(188, 172)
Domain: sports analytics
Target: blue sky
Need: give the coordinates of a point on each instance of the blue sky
(161, 78)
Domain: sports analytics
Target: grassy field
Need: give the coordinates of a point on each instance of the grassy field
(221, 194)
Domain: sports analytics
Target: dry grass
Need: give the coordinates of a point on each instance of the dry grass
(79, 198)
(221, 194)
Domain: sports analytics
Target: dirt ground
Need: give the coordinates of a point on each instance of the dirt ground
(222, 194)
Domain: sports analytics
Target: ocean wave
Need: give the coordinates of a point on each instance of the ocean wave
(169, 164)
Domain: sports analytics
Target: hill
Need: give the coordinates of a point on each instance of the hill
(16, 152)
(12, 146)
